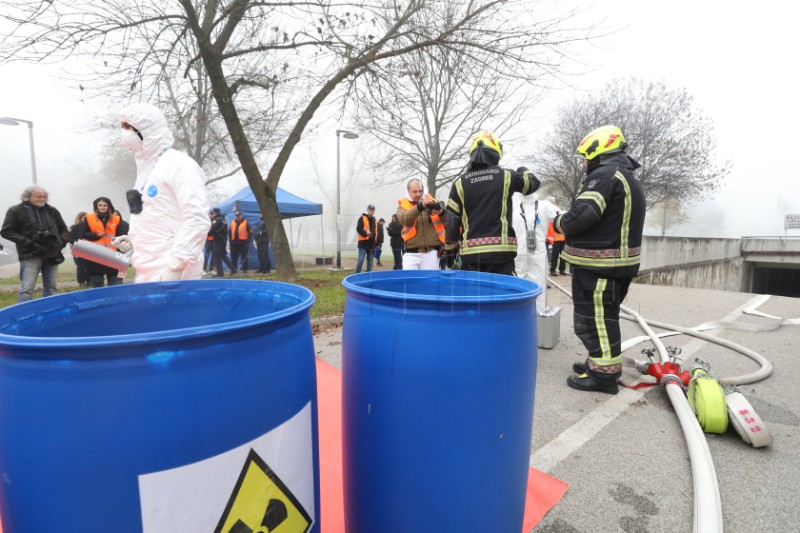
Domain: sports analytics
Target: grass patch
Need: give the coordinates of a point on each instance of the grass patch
(325, 284)
(327, 288)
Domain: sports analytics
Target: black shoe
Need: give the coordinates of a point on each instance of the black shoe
(234, 272)
(218, 276)
(579, 368)
(553, 274)
(585, 382)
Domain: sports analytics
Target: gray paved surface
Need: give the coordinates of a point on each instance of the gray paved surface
(633, 474)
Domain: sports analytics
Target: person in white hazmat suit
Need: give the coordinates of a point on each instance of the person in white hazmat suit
(169, 208)
(533, 215)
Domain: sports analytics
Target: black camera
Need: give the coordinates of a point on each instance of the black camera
(437, 206)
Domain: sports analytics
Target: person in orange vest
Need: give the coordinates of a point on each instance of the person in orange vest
(555, 255)
(101, 227)
(241, 233)
(423, 227)
(367, 230)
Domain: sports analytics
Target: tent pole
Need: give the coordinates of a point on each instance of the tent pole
(322, 233)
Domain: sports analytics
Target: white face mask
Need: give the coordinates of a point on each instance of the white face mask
(130, 140)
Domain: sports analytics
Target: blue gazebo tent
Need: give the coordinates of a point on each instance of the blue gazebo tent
(289, 205)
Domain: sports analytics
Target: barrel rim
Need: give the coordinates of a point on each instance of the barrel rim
(527, 289)
(19, 341)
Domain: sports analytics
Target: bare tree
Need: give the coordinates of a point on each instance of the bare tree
(672, 140)
(300, 52)
(426, 115)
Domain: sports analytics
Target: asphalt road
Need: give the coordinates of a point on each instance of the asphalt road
(625, 458)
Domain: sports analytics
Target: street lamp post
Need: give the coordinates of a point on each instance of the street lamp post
(8, 121)
(347, 135)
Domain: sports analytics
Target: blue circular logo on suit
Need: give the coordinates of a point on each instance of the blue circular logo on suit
(152, 191)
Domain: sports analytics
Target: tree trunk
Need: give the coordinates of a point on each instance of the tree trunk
(265, 196)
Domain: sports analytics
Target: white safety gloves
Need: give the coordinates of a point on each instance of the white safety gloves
(123, 244)
(171, 275)
(173, 272)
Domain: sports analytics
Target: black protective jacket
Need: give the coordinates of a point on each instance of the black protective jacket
(395, 231)
(219, 230)
(261, 234)
(37, 231)
(479, 212)
(605, 222)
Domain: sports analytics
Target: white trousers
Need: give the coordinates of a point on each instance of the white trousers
(426, 261)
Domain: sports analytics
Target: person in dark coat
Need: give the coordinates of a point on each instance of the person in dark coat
(367, 229)
(219, 230)
(395, 231)
(379, 243)
(101, 227)
(76, 234)
(261, 237)
(40, 234)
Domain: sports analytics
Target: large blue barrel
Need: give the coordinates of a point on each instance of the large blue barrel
(438, 379)
(160, 407)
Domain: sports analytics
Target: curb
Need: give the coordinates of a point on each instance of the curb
(327, 321)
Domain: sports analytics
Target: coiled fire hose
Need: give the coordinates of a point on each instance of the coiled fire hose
(707, 399)
(707, 503)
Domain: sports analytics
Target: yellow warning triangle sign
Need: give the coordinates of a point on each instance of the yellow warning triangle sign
(262, 503)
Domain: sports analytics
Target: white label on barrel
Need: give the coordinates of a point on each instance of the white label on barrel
(266, 485)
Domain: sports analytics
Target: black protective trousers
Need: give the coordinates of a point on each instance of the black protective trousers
(596, 301)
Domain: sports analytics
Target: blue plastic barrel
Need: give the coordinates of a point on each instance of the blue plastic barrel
(438, 380)
(160, 407)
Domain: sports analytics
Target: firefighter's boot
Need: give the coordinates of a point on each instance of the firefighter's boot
(585, 382)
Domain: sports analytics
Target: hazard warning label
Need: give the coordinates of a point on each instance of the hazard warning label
(262, 503)
(265, 485)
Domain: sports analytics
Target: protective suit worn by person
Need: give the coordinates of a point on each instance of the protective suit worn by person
(532, 264)
(169, 208)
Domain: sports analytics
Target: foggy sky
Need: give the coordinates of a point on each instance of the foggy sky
(742, 80)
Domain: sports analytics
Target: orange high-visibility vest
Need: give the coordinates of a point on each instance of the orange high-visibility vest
(110, 229)
(365, 223)
(242, 230)
(552, 236)
(409, 232)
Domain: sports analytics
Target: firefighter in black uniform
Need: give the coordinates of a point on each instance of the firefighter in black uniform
(478, 217)
(604, 235)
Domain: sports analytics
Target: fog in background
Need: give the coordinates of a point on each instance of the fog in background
(736, 60)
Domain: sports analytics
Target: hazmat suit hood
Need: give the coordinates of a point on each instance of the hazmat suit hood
(156, 137)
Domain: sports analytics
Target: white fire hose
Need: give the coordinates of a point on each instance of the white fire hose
(746, 422)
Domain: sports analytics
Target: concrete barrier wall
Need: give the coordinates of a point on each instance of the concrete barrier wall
(725, 275)
(692, 263)
(660, 252)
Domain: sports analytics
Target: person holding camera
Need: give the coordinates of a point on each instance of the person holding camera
(479, 211)
(40, 234)
(423, 227)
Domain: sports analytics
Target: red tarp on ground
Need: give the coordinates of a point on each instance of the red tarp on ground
(543, 491)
